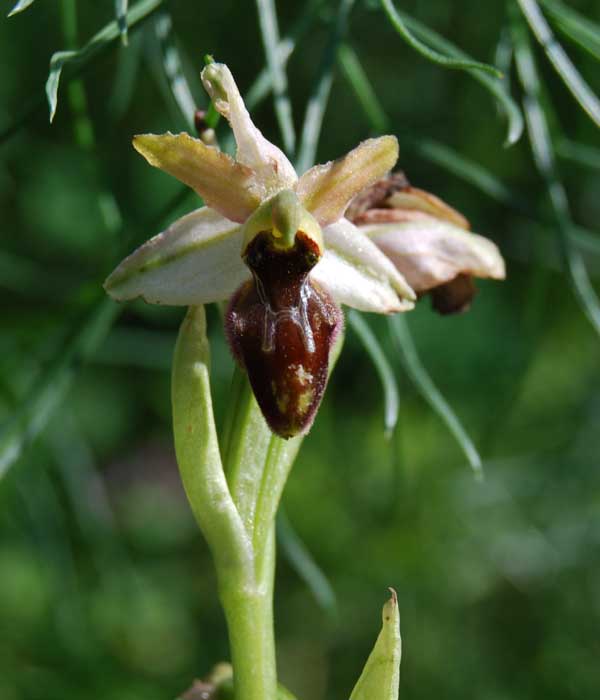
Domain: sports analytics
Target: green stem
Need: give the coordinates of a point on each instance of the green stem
(245, 448)
(249, 614)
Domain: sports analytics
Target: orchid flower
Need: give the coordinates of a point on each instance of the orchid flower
(428, 241)
(276, 246)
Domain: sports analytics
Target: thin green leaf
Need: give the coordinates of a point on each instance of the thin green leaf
(380, 678)
(541, 144)
(57, 62)
(49, 391)
(580, 153)
(503, 55)
(121, 12)
(492, 84)
(97, 43)
(263, 84)
(575, 26)
(383, 368)
(20, 6)
(173, 68)
(563, 65)
(427, 52)
(267, 16)
(302, 561)
(485, 181)
(423, 382)
(361, 85)
(317, 103)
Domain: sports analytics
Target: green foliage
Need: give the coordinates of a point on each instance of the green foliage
(20, 6)
(106, 590)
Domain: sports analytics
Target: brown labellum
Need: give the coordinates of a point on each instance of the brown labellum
(281, 327)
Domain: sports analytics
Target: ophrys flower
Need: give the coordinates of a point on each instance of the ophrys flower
(275, 245)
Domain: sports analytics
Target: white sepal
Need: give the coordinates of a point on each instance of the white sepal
(429, 252)
(195, 261)
(356, 273)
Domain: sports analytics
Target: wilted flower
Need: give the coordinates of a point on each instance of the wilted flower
(427, 240)
(276, 246)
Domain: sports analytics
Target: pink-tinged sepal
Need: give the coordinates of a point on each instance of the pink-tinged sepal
(281, 327)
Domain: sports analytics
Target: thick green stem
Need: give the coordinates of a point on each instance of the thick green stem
(249, 614)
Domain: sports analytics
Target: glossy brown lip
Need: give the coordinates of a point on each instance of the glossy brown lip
(281, 327)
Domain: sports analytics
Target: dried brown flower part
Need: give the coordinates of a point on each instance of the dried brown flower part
(427, 240)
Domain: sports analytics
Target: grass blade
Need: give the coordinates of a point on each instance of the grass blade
(423, 382)
(57, 63)
(576, 27)
(173, 69)
(383, 368)
(20, 6)
(563, 65)
(492, 84)
(475, 174)
(543, 153)
(264, 82)
(580, 153)
(49, 391)
(121, 12)
(267, 16)
(302, 561)
(360, 83)
(428, 53)
(97, 43)
(317, 103)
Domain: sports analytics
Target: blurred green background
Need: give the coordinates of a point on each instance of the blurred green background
(106, 587)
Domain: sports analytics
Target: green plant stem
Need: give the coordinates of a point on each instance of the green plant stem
(249, 615)
(257, 466)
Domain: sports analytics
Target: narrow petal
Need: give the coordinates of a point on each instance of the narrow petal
(356, 273)
(225, 185)
(327, 190)
(195, 261)
(273, 169)
(429, 252)
(412, 198)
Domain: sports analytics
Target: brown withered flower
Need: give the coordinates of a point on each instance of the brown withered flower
(429, 242)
